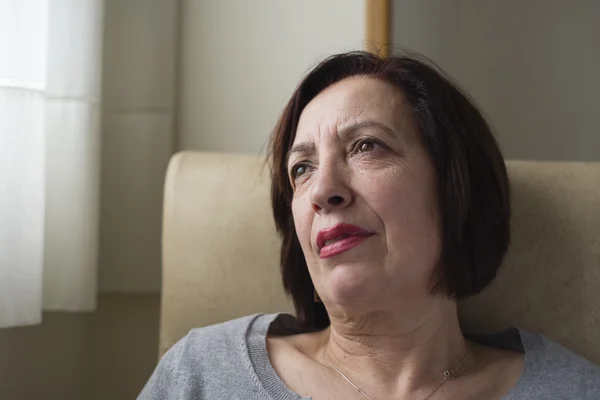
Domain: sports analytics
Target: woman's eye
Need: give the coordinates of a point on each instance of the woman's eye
(298, 170)
(366, 146)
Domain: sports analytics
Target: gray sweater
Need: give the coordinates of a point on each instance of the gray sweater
(230, 361)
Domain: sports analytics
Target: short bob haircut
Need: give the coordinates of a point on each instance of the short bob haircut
(472, 180)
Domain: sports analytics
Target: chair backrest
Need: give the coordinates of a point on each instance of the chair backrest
(221, 252)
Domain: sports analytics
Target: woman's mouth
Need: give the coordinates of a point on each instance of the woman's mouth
(339, 239)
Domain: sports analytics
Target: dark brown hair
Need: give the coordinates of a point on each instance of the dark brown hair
(471, 176)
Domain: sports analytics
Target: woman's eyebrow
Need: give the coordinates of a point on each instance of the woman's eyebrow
(366, 124)
(302, 147)
(307, 147)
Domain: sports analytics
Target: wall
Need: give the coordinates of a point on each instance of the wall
(241, 60)
(531, 65)
(429, 27)
(51, 358)
(108, 354)
(140, 46)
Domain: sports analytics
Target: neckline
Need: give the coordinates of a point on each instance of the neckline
(264, 374)
(274, 388)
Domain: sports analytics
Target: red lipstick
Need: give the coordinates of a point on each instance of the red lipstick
(340, 238)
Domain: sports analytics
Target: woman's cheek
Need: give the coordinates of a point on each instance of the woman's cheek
(302, 220)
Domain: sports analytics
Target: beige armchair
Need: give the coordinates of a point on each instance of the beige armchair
(220, 251)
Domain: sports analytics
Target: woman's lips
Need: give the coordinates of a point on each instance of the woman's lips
(341, 246)
(340, 238)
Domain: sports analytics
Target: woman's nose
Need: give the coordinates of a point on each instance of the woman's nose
(329, 191)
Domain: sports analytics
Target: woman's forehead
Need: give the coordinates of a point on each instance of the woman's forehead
(351, 101)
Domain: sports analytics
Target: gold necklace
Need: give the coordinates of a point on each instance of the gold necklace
(447, 374)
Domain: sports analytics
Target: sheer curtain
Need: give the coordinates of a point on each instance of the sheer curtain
(50, 72)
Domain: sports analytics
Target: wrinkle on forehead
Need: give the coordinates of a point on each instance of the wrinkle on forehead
(351, 101)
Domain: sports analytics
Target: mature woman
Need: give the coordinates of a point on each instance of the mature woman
(392, 200)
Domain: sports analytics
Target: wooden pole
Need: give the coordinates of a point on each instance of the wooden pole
(377, 27)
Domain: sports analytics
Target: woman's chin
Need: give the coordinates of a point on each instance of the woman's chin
(351, 285)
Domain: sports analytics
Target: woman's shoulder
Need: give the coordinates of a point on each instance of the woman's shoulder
(206, 358)
(223, 332)
(222, 340)
(549, 370)
(555, 356)
(553, 369)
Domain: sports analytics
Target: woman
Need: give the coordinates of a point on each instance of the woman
(392, 200)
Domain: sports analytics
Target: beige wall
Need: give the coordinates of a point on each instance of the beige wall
(531, 65)
(140, 46)
(108, 354)
(429, 27)
(240, 61)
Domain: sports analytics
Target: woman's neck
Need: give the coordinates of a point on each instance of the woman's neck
(397, 354)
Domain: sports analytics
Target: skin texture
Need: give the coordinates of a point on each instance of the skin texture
(358, 158)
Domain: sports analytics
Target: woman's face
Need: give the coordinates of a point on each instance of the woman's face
(365, 201)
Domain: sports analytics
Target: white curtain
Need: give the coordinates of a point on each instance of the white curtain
(50, 73)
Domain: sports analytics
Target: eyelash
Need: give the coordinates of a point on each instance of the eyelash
(355, 149)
